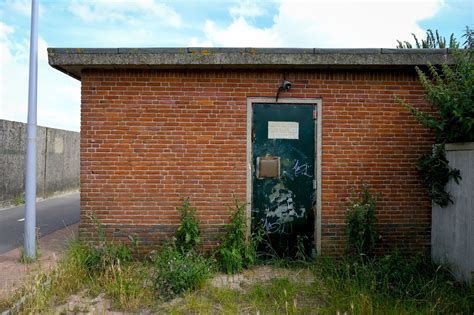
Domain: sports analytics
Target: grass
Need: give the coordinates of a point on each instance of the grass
(393, 284)
(278, 296)
(19, 199)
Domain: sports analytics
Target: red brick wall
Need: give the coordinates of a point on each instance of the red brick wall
(149, 138)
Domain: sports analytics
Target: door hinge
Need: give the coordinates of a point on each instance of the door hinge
(315, 114)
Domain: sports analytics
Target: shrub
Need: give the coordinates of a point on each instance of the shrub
(188, 232)
(360, 223)
(450, 90)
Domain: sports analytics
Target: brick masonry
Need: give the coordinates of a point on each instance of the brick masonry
(151, 137)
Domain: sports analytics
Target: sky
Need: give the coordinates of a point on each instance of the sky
(196, 23)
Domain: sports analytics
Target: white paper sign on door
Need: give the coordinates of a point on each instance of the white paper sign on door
(283, 130)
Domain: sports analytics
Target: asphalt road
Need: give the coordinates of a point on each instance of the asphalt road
(51, 215)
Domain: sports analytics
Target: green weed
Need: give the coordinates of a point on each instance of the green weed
(360, 223)
(188, 232)
(178, 267)
(236, 251)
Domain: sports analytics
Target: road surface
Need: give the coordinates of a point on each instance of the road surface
(52, 214)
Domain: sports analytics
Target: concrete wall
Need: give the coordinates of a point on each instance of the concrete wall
(453, 227)
(57, 168)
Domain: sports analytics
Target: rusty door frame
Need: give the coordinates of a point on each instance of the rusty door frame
(317, 102)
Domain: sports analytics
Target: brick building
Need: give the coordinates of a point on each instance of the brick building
(289, 131)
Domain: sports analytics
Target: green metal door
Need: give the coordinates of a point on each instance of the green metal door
(283, 174)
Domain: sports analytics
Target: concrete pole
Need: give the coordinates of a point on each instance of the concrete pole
(30, 180)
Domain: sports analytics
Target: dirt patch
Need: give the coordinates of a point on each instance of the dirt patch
(82, 304)
(260, 274)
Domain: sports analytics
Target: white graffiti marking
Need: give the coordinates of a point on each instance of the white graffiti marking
(282, 210)
(302, 169)
(275, 227)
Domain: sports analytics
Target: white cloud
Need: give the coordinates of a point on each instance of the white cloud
(125, 11)
(58, 102)
(241, 34)
(320, 23)
(247, 8)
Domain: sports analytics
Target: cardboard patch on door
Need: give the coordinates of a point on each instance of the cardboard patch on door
(283, 130)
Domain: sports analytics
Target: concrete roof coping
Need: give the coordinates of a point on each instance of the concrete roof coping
(73, 60)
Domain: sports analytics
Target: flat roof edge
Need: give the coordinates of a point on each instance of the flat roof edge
(73, 60)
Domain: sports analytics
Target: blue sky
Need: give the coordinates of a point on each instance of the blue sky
(184, 23)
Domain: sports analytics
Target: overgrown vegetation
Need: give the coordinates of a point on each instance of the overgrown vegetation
(450, 90)
(236, 251)
(393, 284)
(433, 40)
(436, 173)
(110, 268)
(360, 223)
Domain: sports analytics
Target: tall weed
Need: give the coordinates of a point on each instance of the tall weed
(188, 232)
(178, 267)
(236, 251)
(360, 223)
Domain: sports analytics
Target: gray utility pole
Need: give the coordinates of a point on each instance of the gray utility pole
(30, 181)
